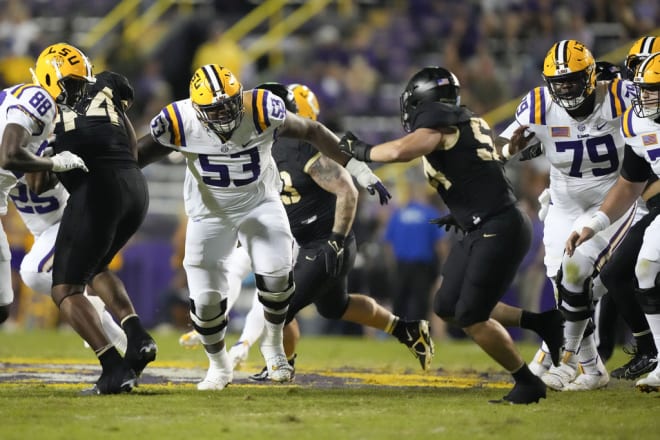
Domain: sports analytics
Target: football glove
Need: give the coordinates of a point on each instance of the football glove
(67, 161)
(368, 180)
(531, 152)
(350, 144)
(333, 252)
(448, 222)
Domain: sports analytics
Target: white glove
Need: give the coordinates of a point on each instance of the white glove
(544, 200)
(362, 173)
(67, 161)
(368, 180)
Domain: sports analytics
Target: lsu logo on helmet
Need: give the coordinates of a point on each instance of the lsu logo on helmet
(64, 71)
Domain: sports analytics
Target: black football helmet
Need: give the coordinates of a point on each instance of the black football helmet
(431, 84)
(283, 92)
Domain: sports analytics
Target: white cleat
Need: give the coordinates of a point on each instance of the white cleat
(238, 353)
(279, 369)
(190, 339)
(558, 377)
(590, 381)
(541, 363)
(216, 379)
(650, 383)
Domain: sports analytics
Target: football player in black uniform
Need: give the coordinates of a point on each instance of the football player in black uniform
(105, 208)
(462, 164)
(321, 201)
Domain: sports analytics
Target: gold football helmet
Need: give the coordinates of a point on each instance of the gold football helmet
(569, 70)
(64, 71)
(308, 105)
(639, 51)
(647, 82)
(217, 97)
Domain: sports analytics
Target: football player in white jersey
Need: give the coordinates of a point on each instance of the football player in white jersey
(231, 193)
(41, 214)
(27, 117)
(641, 128)
(576, 119)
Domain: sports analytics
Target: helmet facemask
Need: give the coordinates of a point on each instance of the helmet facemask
(646, 104)
(223, 116)
(570, 90)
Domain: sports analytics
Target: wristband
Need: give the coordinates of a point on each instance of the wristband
(506, 154)
(598, 222)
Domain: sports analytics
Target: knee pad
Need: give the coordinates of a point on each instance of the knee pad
(649, 299)
(443, 308)
(576, 306)
(275, 301)
(209, 320)
(4, 313)
(575, 270)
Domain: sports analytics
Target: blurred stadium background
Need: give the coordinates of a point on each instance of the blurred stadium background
(356, 55)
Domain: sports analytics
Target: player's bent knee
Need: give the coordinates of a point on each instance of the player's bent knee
(467, 318)
(62, 291)
(335, 309)
(38, 281)
(209, 320)
(576, 306)
(444, 309)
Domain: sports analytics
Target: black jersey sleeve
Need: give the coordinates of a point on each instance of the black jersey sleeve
(438, 114)
(635, 168)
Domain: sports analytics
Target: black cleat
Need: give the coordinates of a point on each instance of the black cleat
(525, 392)
(139, 355)
(552, 332)
(639, 364)
(418, 340)
(118, 380)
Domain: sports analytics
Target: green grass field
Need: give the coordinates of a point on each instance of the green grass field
(345, 388)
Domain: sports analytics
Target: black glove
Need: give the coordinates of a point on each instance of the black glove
(358, 149)
(383, 194)
(448, 222)
(333, 252)
(530, 153)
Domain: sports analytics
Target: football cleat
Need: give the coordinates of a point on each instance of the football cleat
(190, 339)
(216, 379)
(524, 392)
(238, 353)
(418, 340)
(557, 378)
(264, 375)
(118, 380)
(638, 365)
(139, 356)
(541, 363)
(590, 381)
(650, 383)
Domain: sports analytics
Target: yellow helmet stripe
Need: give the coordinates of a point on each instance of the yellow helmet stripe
(260, 110)
(616, 101)
(177, 136)
(626, 125)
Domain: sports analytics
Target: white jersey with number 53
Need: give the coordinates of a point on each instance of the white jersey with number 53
(224, 178)
(585, 156)
(31, 107)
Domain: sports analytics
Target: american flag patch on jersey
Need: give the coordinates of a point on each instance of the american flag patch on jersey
(560, 131)
(649, 139)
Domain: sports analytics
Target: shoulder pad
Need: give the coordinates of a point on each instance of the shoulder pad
(268, 109)
(533, 107)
